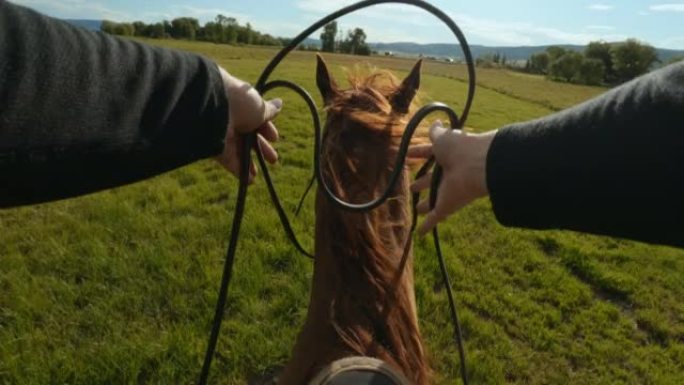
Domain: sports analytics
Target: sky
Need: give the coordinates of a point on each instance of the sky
(487, 22)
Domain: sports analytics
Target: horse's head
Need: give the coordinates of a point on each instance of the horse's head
(367, 255)
(363, 129)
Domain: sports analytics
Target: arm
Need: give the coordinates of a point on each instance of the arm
(82, 111)
(613, 165)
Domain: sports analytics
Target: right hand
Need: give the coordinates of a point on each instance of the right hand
(463, 157)
(248, 112)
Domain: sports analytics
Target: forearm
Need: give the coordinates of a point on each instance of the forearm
(614, 165)
(82, 111)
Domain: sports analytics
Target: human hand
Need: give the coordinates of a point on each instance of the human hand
(248, 112)
(463, 157)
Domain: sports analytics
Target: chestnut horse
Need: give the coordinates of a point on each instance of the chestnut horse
(362, 301)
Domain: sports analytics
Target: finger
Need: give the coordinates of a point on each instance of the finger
(422, 183)
(252, 172)
(437, 130)
(421, 151)
(423, 207)
(272, 109)
(267, 150)
(268, 130)
(430, 222)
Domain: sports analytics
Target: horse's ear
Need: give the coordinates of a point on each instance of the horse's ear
(326, 84)
(401, 100)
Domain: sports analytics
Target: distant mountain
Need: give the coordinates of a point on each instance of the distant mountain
(511, 53)
(91, 25)
(454, 50)
(435, 50)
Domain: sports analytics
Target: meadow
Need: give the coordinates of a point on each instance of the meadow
(119, 287)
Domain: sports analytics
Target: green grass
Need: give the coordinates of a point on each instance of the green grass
(119, 287)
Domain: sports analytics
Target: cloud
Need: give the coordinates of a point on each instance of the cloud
(601, 7)
(84, 9)
(396, 13)
(202, 14)
(519, 33)
(600, 27)
(671, 7)
(382, 23)
(483, 30)
(75, 9)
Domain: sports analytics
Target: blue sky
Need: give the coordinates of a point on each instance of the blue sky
(489, 22)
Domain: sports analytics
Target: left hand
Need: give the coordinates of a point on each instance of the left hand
(248, 112)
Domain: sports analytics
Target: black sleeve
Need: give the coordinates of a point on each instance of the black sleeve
(82, 111)
(613, 165)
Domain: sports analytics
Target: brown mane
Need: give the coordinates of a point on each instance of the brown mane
(362, 300)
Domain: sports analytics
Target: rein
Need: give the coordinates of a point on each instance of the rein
(250, 142)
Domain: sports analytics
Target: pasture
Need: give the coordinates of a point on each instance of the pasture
(119, 287)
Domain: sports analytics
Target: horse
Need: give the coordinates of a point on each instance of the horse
(362, 301)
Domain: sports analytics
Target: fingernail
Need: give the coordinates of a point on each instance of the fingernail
(277, 102)
(437, 123)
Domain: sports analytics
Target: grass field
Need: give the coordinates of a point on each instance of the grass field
(119, 287)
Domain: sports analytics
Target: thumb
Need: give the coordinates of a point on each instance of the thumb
(272, 109)
(437, 130)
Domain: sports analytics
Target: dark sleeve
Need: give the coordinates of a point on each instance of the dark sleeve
(613, 165)
(82, 111)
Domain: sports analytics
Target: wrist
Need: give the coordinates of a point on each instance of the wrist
(478, 146)
(230, 83)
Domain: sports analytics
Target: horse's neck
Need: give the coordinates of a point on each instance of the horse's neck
(319, 343)
(327, 265)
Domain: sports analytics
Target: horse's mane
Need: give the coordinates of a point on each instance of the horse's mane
(371, 316)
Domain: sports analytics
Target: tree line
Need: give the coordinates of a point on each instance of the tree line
(224, 30)
(600, 63)
(353, 43)
(227, 30)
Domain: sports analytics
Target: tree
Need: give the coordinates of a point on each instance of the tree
(601, 50)
(539, 63)
(139, 28)
(245, 35)
(592, 72)
(212, 32)
(566, 67)
(107, 26)
(328, 37)
(555, 53)
(184, 28)
(355, 43)
(155, 31)
(167, 28)
(632, 58)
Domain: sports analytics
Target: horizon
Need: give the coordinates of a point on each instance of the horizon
(489, 22)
